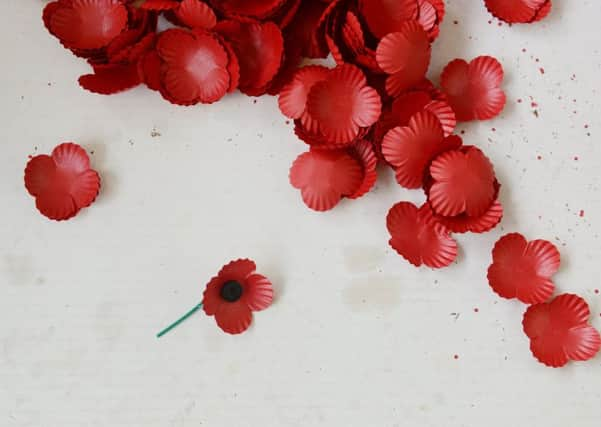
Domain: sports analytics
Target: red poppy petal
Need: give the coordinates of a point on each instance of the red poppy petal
(56, 206)
(411, 149)
(464, 223)
(111, 78)
(258, 292)
(39, 173)
(89, 24)
(364, 152)
(407, 51)
(464, 181)
(149, 70)
(293, 97)
(211, 298)
(418, 240)
(582, 343)
(324, 177)
(259, 48)
(515, 11)
(72, 157)
(159, 5)
(385, 16)
(473, 89)
(233, 318)
(445, 114)
(233, 66)
(196, 14)
(237, 270)
(522, 269)
(252, 8)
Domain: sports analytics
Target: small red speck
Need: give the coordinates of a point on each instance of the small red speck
(456, 356)
(519, 100)
(574, 100)
(533, 104)
(455, 22)
(500, 24)
(537, 60)
(581, 213)
(462, 132)
(586, 126)
(576, 158)
(494, 129)
(596, 291)
(539, 157)
(30, 157)
(542, 70)
(476, 310)
(524, 49)
(287, 122)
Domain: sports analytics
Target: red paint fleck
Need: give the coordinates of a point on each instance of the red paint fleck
(500, 24)
(462, 132)
(455, 356)
(581, 213)
(524, 49)
(542, 70)
(494, 129)
(30, 157)
(519, 100)
(287, 122)
(539, 157)
(537, 60)
(586, 126)
(476, 310)
(455, 22)
(596, 291)
(533, 104)
(576, 158)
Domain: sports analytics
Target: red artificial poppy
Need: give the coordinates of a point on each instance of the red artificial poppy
(194, 66)
(235, 293)
(522, 269)
(259, 48)
(405, 55)
(343, 103)
(86, 24)
(473, 89)
(293, 96)
(518, 11)
(410, 149)
(195, 14)
(325, 176)
(463, 181)
(63, 182)
(417, 239)
(463, 223)
(559, 331)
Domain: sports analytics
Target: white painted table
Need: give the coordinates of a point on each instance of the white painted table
(357, 336)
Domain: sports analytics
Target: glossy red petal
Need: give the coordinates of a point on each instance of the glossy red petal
(410, 149)
(111, 78)
(463, 182)
(258, 292)
(196, 14)
(445, 114)
(62, 183)
(343, 103)
(363, 151)
(473, 89)
(387, 16)
(195, 66)
(259, 48)
(88, 24)
(427, 15)
(250, 8)
(514, 11)
(464, 223)
(559, 331)
(324, 177)
(233, 318)
(522, 269)
(237, 270)
(405, 55)
(418, 240)
(149, 70)
(544, 11)
(293, 97)
(159, 5)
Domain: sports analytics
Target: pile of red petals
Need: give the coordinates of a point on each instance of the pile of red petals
(558, 328)
(519, 11)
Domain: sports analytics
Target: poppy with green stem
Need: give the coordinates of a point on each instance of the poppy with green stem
(232, 296)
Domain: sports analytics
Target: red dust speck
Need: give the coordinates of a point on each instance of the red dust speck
(576, 158)
(524, 49)
(476, 310)
(537, 60)
(519, 100)
(586, 126)
(455, 22)
(539, 157)
(581, 214)
(463, 132)
(542, 70)
(456, 356)
(533, 104)
(287, 122)
(494, 129)
(596, 291)
(30, 157)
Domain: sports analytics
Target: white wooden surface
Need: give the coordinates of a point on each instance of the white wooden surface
(356, 337)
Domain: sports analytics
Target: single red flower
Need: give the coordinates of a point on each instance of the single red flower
(235, 293)
(405, 55)
(259, 48)
(417, 239)
(86, 24)
(293, 96)
(522, 269)
(463, 182)
(473, 89)
(343, 103)
(62, 183)
(559, 331)
(195, 66)
(325, 176)
(518, 11)
(410, 149)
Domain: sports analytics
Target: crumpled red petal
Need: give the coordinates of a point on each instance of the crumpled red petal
(417, 239)
(522, 269)
(63, 182)
(111, 78)
(473, 90)
(559, 331)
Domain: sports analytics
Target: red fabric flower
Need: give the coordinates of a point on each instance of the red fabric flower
(559, 331)
(342, 104)
(62, 183)
(522, 269)
(195, 66)
(235, 293)
(417, 239)
(463, 182)
(519, 11)
(325, 176)
(473, 89)
(410, 149)
(405, 55)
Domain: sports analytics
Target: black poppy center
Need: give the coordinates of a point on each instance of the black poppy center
(231, 291)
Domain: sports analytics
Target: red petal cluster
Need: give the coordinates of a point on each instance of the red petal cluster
(559, 329)
(62, 183)
(519, 11)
